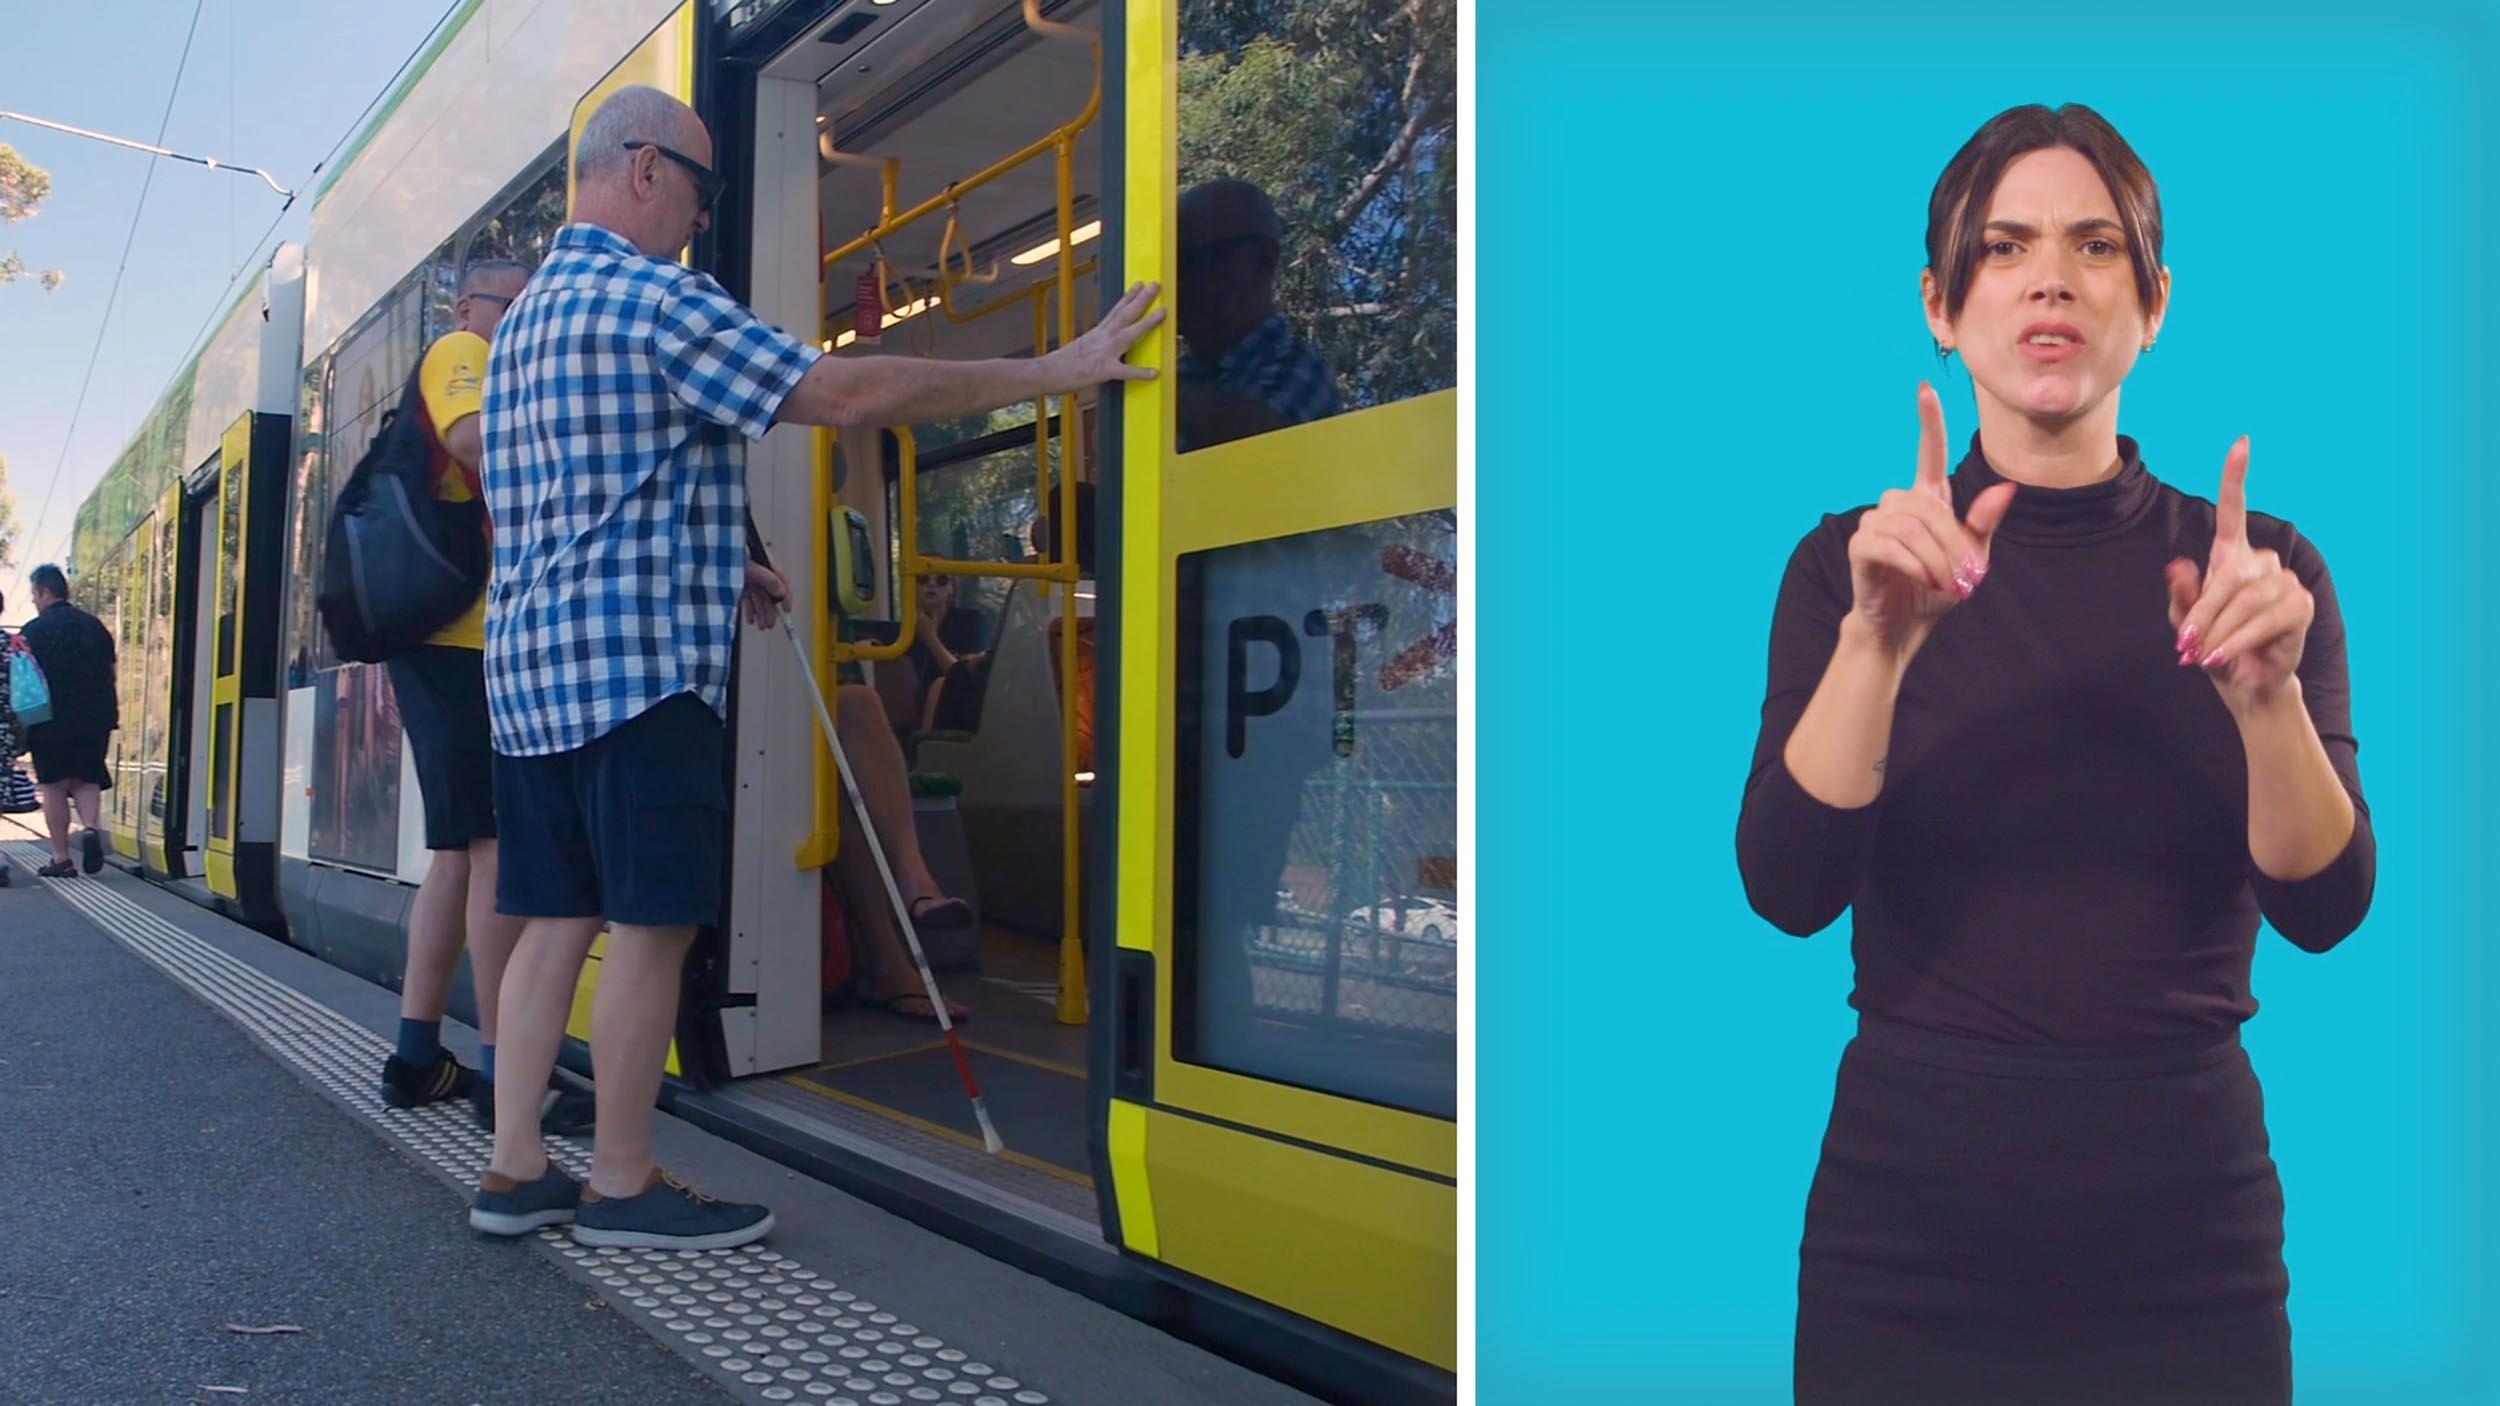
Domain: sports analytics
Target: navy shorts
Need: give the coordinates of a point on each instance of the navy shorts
(442, 703)
(631, 828)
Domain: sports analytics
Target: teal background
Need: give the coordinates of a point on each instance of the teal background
(1698, 246)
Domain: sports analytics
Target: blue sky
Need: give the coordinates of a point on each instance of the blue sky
(270, 83)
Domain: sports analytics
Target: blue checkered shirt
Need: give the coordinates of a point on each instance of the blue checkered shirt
(1275, 368)
(618, 398)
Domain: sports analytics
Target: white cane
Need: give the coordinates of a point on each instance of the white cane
(893, 893)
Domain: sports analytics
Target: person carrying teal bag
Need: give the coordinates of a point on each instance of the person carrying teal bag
(17, 789)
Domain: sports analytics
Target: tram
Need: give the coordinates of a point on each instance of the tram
(1205, 806)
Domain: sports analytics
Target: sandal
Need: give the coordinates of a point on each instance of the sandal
(926, 1015)
(58, 869)
(935, 913)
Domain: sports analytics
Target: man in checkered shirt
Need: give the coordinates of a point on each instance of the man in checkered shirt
(618, 397)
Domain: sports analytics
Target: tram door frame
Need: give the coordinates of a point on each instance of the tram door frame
(165, 835)
(195, 662)
(1246, 1182)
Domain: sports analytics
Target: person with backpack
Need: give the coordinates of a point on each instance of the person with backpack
(74, 651)
(441, 687)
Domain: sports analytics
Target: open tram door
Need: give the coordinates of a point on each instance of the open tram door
(144, 811)
(1276, 1090)
(164, 622)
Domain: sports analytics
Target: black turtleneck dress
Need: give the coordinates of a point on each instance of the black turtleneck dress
(2047, 1177)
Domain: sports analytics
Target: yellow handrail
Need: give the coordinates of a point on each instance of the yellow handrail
(1033, 20)
(824, 839)
(948, 281)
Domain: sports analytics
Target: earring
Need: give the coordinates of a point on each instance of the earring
(2148, 346)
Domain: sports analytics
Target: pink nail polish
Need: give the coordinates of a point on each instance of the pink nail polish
(2187, 639)
(2211, 660)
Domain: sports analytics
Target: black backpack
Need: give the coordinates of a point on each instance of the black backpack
(396, 563)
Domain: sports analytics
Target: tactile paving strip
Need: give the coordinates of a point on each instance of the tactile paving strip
(760, 1323)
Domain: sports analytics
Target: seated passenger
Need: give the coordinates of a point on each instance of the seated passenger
(891, 981)
(936, 686)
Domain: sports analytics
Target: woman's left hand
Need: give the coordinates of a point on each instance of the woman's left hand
(2246, 619)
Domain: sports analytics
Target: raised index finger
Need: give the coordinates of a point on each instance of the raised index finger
(1931, 442)
(2231, 508)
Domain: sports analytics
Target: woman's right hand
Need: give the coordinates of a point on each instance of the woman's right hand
(1911, 559)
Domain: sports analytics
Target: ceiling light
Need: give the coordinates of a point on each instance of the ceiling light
(1040, 252)
(909, 310)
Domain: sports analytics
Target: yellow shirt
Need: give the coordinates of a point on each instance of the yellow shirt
(451, 380)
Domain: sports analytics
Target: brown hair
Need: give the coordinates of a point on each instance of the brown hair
(1958, 207)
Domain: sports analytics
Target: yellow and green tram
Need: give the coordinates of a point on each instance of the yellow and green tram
(1205, 803)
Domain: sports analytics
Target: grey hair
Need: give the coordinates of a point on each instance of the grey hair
(477, 275)
(635, 114)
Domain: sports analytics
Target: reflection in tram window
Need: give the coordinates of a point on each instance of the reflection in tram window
(356, 767)
(1318, 224)
(1319, 810)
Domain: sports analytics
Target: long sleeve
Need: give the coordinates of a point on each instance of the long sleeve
(1802, 860)
(2320, 911)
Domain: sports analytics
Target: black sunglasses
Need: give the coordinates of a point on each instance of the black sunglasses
(707, 182)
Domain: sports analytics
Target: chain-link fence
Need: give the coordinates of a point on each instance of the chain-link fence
(1366, 932)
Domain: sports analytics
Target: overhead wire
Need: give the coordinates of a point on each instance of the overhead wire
(34, 535)
(191, 347)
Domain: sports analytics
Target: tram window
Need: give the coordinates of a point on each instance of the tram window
(356, 734)
(310, 495)
(104, 584)
(157, 732)
(230, 562)
(977, 495)
(1318, 220)
(350, 391)
(525, 227)
(1314, 896)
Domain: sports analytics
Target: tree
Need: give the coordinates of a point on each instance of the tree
(24, 187)
(9, 525)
